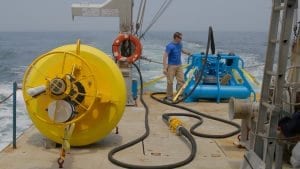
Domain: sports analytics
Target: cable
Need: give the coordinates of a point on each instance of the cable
(254, 66)
(150, 60)
(6, 98)
(182, 130)
(210, 43)
(198, 116)
(161, 10)
(140, 17)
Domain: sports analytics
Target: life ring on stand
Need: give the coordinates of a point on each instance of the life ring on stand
(119, 43)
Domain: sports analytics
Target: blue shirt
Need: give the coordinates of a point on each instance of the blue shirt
(174, 53)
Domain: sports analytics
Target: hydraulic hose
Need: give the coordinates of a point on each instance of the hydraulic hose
(211, 44)
(182, 131)
(198, 116)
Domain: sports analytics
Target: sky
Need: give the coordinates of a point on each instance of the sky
(195, 15)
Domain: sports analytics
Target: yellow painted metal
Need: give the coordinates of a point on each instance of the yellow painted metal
(104, 92)
(250, 77)
(247, 75)
(155, 80)
(190, 76)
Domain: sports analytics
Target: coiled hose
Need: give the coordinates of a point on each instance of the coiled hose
(181, 130)
(184, 132)
(198, 116)
(211, 45)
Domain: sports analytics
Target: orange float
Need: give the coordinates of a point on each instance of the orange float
(120, 40)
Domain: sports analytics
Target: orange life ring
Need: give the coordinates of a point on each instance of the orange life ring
(136, 43)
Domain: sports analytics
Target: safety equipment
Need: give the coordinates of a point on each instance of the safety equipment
(127, 44)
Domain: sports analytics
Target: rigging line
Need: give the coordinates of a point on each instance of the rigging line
(254, 66)
(140, 16)
(149, 60)
(139, 12)
(162, 9)
(6, 98)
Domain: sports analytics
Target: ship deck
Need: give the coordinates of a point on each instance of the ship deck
(161, 147)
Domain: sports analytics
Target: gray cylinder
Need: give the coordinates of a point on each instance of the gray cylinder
(241, 109)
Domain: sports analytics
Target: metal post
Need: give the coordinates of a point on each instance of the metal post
(113, 8)
(14, 114)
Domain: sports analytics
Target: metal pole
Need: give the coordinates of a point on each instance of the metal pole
(14, 114)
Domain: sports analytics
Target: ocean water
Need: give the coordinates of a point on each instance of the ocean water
(19, 49)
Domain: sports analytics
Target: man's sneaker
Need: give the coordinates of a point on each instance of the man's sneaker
(180, 97)
(168, 100)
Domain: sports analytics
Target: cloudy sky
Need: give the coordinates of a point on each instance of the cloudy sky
(55, 15)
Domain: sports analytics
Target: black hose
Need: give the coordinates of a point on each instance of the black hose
(182, 131)
(198, 116)
(210, 43)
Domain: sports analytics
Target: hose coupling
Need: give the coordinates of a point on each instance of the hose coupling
(175, 124)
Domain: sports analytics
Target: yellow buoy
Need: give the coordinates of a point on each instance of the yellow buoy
(74, 84)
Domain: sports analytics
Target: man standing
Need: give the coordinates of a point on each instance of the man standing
(173, 68)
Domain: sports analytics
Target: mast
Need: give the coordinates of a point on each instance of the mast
(113, 8)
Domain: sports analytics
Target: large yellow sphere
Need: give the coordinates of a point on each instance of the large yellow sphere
(74, 84)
